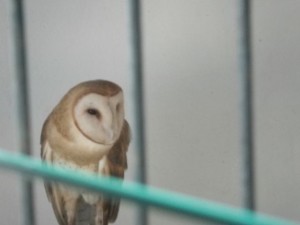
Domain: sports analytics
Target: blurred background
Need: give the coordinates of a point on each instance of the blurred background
(191, 90)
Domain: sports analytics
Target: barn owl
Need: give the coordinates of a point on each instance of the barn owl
(86, 131)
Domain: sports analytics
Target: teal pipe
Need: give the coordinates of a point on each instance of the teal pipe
(136, 192)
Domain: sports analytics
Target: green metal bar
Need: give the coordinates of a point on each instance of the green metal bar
(137, 84)
(246, 104)
(23, 106)
(139, 193)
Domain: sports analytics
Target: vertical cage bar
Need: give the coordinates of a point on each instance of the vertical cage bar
(138, 96)
(246, 93)
(22, 104)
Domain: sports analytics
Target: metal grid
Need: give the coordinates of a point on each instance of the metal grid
(140, 192)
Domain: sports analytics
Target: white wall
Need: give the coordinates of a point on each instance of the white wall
(191, 93)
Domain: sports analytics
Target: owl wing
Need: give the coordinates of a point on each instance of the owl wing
(117, 162)
(52, 194)
(46, 155)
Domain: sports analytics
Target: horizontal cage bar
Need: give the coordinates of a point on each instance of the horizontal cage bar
(136, 192)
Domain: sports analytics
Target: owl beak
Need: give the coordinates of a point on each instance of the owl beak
(109, 135)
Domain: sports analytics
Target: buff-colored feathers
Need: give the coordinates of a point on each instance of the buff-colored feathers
(86, 131)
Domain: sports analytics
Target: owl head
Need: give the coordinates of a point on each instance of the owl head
(95, 109)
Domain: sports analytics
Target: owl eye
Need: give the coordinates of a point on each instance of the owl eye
(93, 112)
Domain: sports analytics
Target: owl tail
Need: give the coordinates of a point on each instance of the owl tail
(89, 214)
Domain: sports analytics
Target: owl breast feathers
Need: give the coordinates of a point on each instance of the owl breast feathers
(86, 131)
